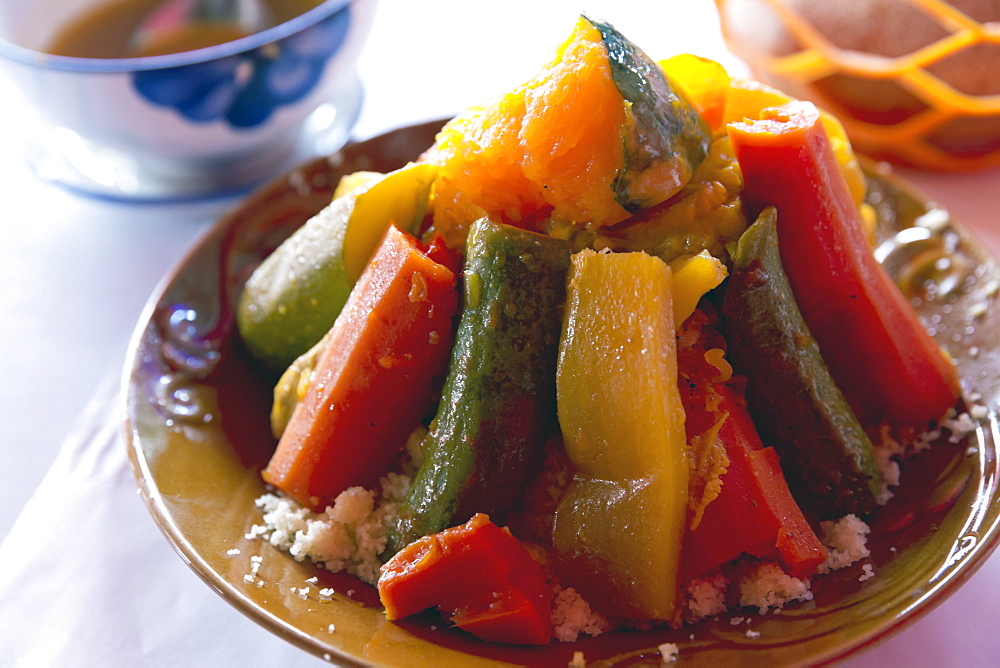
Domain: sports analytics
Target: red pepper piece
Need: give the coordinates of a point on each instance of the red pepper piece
(437, 250)
(754, 512)
(881, 357)
(477, 574)
(799, 550)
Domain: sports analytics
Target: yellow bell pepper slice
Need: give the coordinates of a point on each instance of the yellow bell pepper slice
(619, 526)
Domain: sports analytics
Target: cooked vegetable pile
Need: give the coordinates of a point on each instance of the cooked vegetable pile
(657, 274)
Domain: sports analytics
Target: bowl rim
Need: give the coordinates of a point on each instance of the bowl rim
(45, 61)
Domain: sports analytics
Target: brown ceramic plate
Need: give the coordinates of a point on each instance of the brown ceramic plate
(197, 434)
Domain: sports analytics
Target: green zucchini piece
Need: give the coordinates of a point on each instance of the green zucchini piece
(825, 452)
(666, 138)
(499, 398)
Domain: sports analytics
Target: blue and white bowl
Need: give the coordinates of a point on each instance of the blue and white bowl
(202, 123)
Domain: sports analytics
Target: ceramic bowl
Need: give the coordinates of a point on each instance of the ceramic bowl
(198, 435)
(201, 123)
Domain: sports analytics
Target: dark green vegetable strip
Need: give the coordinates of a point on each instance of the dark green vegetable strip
(796, 405)
(667, 138)
(498, 401)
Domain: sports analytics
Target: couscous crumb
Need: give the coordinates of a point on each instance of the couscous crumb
(846, 541)
(573, 616)
(766, 586)
(347, 536)
(668, 652)
(706, 597)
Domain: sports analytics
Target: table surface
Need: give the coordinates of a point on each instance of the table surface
(76, 272)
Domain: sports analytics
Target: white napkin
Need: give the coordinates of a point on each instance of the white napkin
(87, 579)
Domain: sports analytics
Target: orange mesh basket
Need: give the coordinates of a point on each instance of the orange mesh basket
(915, 82)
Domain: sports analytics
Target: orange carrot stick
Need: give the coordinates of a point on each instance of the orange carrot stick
(878, 352)
(375, 381)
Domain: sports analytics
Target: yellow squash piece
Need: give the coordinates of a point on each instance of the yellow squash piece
(354, 181)
(619, 526)
(596, 134)
(551, 146)
(693, 277)
(703, 80)
(398, 198)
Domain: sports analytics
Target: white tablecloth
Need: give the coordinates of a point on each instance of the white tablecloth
(86, 579)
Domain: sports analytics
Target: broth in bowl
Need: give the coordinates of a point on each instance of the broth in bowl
(105, 30)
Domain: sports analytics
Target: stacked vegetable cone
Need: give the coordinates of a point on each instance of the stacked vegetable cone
(574, 262)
